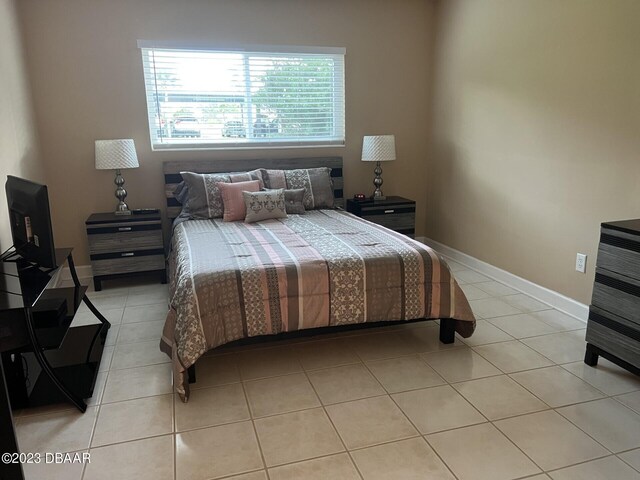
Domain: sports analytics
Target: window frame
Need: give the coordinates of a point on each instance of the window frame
(338, 104)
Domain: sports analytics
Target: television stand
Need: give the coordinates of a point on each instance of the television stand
(45, 359)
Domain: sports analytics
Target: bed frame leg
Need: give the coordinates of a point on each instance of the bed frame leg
(447, 330)
(191, 373)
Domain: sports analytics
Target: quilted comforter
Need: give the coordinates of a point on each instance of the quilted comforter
(231, 280)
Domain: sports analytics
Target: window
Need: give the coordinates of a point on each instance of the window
(243, 97)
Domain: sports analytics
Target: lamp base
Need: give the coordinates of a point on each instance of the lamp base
(377, 182)
(121, 194)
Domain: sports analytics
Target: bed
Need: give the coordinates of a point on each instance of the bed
(324, 269)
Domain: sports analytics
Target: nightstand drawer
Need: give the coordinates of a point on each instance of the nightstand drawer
(134, 239)
(127, 262)
(397, 221)
(387, 210)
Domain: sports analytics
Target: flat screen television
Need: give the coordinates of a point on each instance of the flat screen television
(31, 221)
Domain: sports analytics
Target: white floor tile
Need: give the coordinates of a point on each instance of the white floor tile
(337, 466)
(492, 307)
(606, 376)
(439, 408)
(486, 333)
(496, 289)
(632, 458)
(522, 325)
(560, 321)
(499, 397)
(562, 347)
(472, 292)
(407, 459)
(460, 364)
(481, 452)
(556, 387)
(470, 276)
(609, 422)
(608, 468)
(550, 440)
(525, 303)
(631, 400)
(512, 356)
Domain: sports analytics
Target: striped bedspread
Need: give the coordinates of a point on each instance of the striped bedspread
(231, 280)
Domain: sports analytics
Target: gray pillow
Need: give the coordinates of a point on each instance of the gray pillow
(247, 177)
(293, 200)
(204, 199)
(315, 181)
(181, 192)
(264, 205)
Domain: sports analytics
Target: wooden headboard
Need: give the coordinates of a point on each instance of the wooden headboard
(172, 169)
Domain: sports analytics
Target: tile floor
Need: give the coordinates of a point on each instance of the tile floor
(513, 401)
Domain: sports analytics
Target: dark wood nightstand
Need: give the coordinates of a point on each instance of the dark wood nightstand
(125, 245)
(396, 213)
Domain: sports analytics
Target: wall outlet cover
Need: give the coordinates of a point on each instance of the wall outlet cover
(581, 262)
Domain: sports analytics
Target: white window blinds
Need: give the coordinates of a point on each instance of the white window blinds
(243, 97)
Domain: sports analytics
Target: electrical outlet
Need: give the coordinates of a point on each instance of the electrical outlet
(581, 262)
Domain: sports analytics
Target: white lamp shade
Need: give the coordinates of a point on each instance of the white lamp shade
(116, 154)
(379, 148)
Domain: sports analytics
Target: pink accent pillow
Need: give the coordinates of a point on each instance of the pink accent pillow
(234, 208)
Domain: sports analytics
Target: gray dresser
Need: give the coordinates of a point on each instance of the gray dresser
(613, 329)
(125, 245)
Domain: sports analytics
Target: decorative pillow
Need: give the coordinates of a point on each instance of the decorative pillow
(293, 200)
(264, 205)
(233, 201)
(247, 176)
(181, 192)
(274, 179)
(203, 197)
(316, 182)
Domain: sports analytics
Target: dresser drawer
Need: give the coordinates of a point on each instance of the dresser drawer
(127, 262)
(132, 239)
(617, 294)
(619, 252)
(614, 334)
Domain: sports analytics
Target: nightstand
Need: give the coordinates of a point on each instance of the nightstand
(396, 213)
(125, 245)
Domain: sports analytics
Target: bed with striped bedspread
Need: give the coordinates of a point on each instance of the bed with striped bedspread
(231, 280)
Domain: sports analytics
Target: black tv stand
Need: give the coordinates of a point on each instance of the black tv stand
(45, 360)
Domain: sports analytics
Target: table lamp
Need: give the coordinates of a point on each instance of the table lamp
(116, 155)
(378, 148)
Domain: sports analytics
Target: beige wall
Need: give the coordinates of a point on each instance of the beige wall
(86, 75)
(536, 132)
(18, 145)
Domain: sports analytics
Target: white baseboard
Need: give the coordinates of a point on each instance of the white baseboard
(556, 300)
